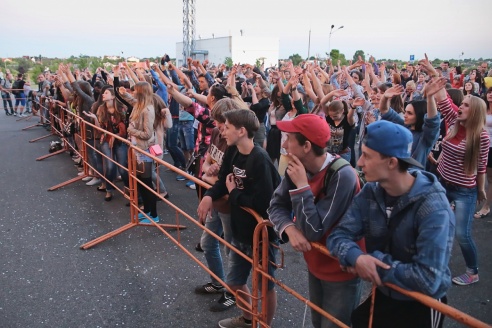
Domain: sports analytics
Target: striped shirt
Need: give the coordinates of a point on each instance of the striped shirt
(451, 166)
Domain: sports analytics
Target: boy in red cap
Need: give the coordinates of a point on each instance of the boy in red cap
(317, 208)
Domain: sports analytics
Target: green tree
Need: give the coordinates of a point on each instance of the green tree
(296, 59)
(228, 62)
(359, 53)
(436, 62)
(335, 55)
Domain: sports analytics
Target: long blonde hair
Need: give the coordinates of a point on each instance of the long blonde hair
(143, 95)
(474, 126)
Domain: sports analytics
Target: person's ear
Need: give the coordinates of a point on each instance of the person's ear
(307, 146)
(393, 163)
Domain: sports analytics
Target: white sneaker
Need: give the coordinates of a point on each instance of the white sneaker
(15, 113)
(93, 182)
(80, 173)
(88, 178)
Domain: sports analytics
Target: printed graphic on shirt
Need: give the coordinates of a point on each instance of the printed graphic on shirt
(336, 139)
(239, 176)
(216, 154)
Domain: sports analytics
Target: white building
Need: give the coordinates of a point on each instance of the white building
(242, 49)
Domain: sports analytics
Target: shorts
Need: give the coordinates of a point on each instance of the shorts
(186, 135)
(239, 268)
(20, 99)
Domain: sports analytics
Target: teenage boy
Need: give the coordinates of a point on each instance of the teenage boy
(317, 208)
(408, 227)
(249, 177)
(220, 219)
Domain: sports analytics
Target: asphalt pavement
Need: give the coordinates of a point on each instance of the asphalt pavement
(138, 278)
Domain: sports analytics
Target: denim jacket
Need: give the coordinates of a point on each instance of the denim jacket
(419, 249)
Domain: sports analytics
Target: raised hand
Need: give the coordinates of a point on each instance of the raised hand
(394, 91)
(426, 64)
(433, 86)
(358, 101)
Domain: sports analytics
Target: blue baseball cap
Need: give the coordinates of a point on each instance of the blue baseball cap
(391, 140)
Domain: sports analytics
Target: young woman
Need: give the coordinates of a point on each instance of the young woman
(340, 118)
(485, 210)
(142, 135)
(462, 168)
(275, 113)
(420, 85)
(111, 117)
(424, 128)
(260, 103)
(469, 89)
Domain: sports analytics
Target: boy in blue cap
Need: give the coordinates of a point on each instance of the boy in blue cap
(408, 227)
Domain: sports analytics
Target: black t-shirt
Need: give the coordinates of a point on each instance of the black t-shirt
(339, 135)
(18, 84)
(260, 108)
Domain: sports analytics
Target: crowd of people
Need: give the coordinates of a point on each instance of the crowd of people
(292, 142)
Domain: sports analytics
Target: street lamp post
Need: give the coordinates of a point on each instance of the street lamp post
(329, 37)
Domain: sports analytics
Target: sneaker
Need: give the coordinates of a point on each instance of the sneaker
(226, 302)
(236, 322)
(209, 288)
(22, 115)
(191, 185)
(87, 179)
(81, 173)
(156, 220)
(180, 178)
(93, 182)
(165, 152)
(15, 113)
(465, 279)
(140, 216)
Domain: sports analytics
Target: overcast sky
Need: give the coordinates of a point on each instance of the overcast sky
(148, 28)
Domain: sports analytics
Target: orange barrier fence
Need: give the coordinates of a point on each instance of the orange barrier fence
(60, 117)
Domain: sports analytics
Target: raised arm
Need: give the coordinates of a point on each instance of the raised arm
(308, 88)
(384, 104)
(182, 76)
(130, 71)
(179, 97)
(317, 88)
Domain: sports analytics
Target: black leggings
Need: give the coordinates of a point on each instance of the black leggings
(148, 197)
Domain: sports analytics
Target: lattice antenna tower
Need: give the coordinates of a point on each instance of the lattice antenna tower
(188, 28)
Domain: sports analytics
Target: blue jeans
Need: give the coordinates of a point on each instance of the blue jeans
(338, 298)
(218, 223)
(93, 157)
(7, 100)
(119, 153)
(172, 145)
(186, 135)
(239, 268)
(464, 200)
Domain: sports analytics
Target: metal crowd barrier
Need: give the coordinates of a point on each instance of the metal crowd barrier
(260, 276)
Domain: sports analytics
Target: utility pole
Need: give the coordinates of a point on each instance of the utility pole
(309, 44)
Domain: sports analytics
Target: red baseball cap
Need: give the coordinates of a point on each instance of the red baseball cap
(311, 126)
